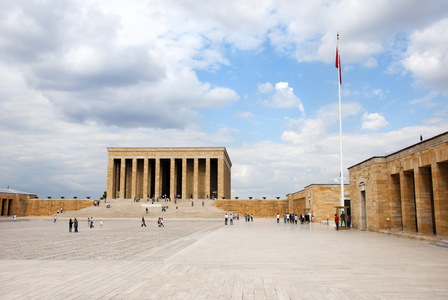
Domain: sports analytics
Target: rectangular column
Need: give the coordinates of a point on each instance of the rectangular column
(184, 178)
(407, 195)
(133, 178)
(145, 178)
(207, 177)
(423, 200)
(122, 177)
(172, 178)
(196, 178)
(395, 219)
(440, 191)
(157, 189)
(110, 178)
(221, 178)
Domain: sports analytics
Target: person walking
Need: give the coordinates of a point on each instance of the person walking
(225, 219)
(143, 222)
(75, 224)
(231, 219)
(70, 225)
(278, 218)
(336, 221)
(101, 223)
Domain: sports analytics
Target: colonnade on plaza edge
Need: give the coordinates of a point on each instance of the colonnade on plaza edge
(406, 190)
(191, 172)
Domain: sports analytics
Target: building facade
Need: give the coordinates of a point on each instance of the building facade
(188, 172)
(405, 191)
(318, 199)
(13, 201)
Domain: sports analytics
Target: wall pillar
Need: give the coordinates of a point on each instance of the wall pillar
(207, 178)
(133, 177)
(122, 177)
(395, 217)
(196, 178)
(145, 178)
(407, 195)
(158, 182)
(440, 191)
(110, 178)
(172, 178)
(423, 197)
(221, 178)
(184, 178)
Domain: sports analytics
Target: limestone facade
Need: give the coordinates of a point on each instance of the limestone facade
(318, 199)
(259, 208)
(26, 204)
(406, 190)
(187, 172)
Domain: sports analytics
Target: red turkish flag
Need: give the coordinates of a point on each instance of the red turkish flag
(338, 64)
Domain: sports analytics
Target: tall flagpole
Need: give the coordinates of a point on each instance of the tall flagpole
(340, 120)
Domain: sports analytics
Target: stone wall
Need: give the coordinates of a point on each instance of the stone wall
(406, 190)
(318, 199)
(259, 208)
(47, 207)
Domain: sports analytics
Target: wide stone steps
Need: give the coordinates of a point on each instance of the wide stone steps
(127, 208)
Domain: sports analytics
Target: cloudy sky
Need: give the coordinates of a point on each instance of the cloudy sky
(257, 77)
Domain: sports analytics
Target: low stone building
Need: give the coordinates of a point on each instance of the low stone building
(24, 204)
(12, 201)
(405, 191)
(318, 199)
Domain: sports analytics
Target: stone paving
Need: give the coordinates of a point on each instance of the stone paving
(203, 259)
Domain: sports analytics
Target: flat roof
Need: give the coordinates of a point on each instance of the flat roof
(11, 191)
(404, 149)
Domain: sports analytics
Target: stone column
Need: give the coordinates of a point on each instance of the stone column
(184, 178)
(134, 177)
(407, 195)
(395, 203)
(122, 177)
(423, 200)
(145, 178)
(196, 178)
(172, 177)
(157, 179)
(110, 178)
(440, 191)
(221, 178)
(207, 178)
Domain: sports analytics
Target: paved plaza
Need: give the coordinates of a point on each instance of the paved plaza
(203, 259)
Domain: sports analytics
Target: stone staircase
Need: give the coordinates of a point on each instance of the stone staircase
(127, 208)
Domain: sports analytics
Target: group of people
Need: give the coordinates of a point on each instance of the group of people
(294, 218)
(233, 216)
(71, 224)
(343, 220)
(159, 222)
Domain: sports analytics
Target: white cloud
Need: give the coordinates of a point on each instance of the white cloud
(427, 55)
(265, 88)
(245, 115)
(371, 63)
(373, 121)
(306, 130)
(283, 97)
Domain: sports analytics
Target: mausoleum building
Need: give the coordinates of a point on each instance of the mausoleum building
(187, 172)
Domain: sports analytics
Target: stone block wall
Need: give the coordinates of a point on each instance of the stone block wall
(259, 208)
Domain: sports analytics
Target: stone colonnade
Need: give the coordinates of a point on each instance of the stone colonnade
(197, 173)
(406, 190)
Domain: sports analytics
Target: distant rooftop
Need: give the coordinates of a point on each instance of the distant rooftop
(11, 191)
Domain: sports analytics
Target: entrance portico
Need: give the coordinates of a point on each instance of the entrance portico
(198, 173)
